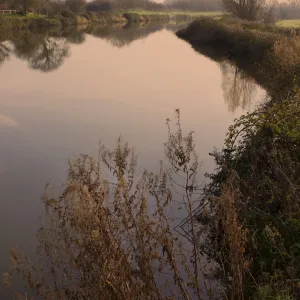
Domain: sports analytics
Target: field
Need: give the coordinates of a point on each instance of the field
(289, 23)
(175, 13)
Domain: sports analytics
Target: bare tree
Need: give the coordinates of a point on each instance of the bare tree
(4, 52)
(239, 90)
(245, 9)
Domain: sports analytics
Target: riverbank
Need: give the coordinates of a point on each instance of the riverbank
(267, 53)
(123, 30)
(11, 23)
(252, 221)
(249, 213)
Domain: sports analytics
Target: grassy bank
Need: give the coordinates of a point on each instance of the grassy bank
(251, 218)
(177, 16)
(16, 22)
(8, 23)
(174, 14)
(268, 53)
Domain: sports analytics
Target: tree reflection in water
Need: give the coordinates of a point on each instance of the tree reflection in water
(4, 52)
(47, 50)
(50, 54)
(75, 35)
(42, 52)
(26, 45)
(239, 90)
(121, 36)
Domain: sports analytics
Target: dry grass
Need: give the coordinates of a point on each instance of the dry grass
(233, 235)
(112, 233)
(112, 236)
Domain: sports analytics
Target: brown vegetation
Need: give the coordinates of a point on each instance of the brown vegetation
(113, 236)
(265, 52)
(250, 215)
(112, 231)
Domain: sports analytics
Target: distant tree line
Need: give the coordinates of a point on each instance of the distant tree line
(252, 10)
(263, 10)
(80, 6)
(77, 6)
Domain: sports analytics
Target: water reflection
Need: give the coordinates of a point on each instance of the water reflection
(74, 35)
(239, 89)
(124, 36)
(46, 51)
(42, 52)
(4, 52)
(99, 93)
(26, 46)
(6, 121)
(49, 55)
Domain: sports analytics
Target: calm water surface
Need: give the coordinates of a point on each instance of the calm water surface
(62, 93)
